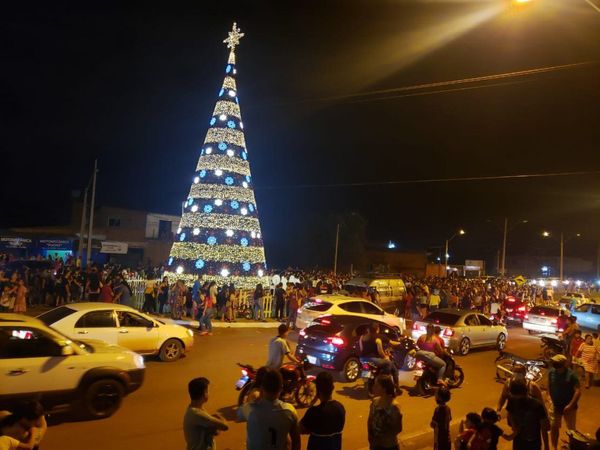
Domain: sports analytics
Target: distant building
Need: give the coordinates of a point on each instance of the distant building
(125, 236)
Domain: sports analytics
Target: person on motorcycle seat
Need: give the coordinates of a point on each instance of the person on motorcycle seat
(519, 373)
(429, 349)
(372, 350)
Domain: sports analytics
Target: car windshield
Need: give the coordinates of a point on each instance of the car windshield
(318, 306)
(544, 311)
(56, 314)
(582, 308)
(442, 318)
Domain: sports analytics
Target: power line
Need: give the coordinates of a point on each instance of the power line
(432, 180)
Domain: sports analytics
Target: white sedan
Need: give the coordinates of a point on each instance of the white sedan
(333, 304)
(121, 325)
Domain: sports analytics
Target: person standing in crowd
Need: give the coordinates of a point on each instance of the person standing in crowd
(20, 298)
(519, 374)
(293, 305)
(385, 418)
(528, 419)
(107, 294)
(208, 310)
(569, 333)
(589, 356)
(279, 296)
(177, 300)
(196, 288)
(200, 427)
(489, 432)
(440, 422)
(564, 390)
(270, 421)
(279, 349)
(123, 294)
(163, 295)
(325, 421)
(230, 306)
(93, 285)
(434, 300)
(258, 298)
(466, 431)
(576, 342)
(149, 305)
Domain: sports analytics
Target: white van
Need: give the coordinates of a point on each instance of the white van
(389, 289)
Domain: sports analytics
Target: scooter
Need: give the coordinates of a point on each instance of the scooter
(296, 383)
(505, 363)
(426, 375)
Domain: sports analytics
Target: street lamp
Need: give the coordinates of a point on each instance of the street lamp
(562, 241)
(460, 232)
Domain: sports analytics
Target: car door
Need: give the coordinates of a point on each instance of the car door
(32, 361)
(488, 333)
(473, 330)
(100, 324)
(372, 311)
(137, 333)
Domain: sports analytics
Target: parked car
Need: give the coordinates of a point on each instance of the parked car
(38, 362)
(331, 343)
(121, 325)
(463, 330)
(390, 288)
(543, 319)
(345, 305)
(572, 300)
(516, 309)
(588, 316)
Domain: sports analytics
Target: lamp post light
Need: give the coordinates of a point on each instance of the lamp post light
(562, 241)
(460, 232)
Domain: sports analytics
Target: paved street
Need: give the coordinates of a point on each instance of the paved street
(151, 418)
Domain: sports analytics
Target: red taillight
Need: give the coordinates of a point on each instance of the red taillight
(366, 366)
(244, 372)
(521, 308)
(302, 333)
(526, 316)
(337, 341)
(325, 322)
(560, 330)
(418, 327)
(511, 299)
(554, 321)
(448, 332)
(415, 326)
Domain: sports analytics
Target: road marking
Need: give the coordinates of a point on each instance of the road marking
(593, 5)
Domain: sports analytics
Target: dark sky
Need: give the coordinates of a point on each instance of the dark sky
(135, 87)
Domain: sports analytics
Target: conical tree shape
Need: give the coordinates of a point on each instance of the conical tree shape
(219, 236)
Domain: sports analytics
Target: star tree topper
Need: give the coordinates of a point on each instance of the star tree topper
(232, 41)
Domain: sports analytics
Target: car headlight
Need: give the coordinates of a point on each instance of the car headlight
(139, 361)
(190, 332)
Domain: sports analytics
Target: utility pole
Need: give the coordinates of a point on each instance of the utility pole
(91, 227)
(82, 228)
(337, 241)
(503, 264)
(446, 258)
(562, 254)
(598, 263)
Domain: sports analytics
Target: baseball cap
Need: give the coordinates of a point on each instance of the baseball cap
(559, 358)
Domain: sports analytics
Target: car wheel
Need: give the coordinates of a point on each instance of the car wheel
(171, 350)
(351, 369)
(501, 342)
(464, 346)
(102, 398)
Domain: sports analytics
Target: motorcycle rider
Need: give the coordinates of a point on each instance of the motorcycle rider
(429, 348)
(371, 350)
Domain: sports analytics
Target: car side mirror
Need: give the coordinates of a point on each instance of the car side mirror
(66, 350)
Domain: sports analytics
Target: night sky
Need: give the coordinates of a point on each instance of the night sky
(135, 87)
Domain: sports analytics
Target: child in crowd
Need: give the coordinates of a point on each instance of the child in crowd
(467, 431)
(440, 422)
(489, 431)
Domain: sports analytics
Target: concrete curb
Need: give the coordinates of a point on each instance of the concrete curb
(218, 324)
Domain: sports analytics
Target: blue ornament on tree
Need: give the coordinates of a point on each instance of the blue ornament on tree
(207, 208)
(228, 68)
(222, 146)
(213, 121)
(244, 156)
(170, 261)
(246, 266)
(248, 178)
(235, 204)
(251, 207)
(231, 124)
(229, 181)
(244, 242)
(182, 237)
(211, 240)
(221, 92)
(202, 173)
(199, 264)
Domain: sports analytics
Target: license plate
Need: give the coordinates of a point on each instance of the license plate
(241, 382)
(365, 374)
(311, 359)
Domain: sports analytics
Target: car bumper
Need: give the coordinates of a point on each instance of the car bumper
(539, 327)
(319, 359)
(302, 322)
(135, 379)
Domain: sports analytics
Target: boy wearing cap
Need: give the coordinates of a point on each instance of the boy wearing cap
(563, 386)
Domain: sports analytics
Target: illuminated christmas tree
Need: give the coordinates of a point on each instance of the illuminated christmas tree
(219, 236)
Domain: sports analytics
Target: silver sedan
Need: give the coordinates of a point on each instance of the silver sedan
(463, 330)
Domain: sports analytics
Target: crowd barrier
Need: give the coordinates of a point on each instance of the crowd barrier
(138, 285)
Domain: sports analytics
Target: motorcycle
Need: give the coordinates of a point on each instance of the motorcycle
(577, 441)
(552, 345)
(426, 375)
(296, 383)
(505, 363)
(370, 371)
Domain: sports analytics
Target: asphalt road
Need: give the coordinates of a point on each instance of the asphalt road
(151, 418)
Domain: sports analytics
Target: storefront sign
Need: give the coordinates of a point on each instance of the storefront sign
(8, 242)
(114, 247)
(56, 244)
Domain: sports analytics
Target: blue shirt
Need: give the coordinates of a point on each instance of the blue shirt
(196, 290)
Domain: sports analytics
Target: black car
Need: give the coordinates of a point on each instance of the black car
(332, 343)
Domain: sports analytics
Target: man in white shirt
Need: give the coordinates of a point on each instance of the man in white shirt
(269, 420)
(279, 348)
